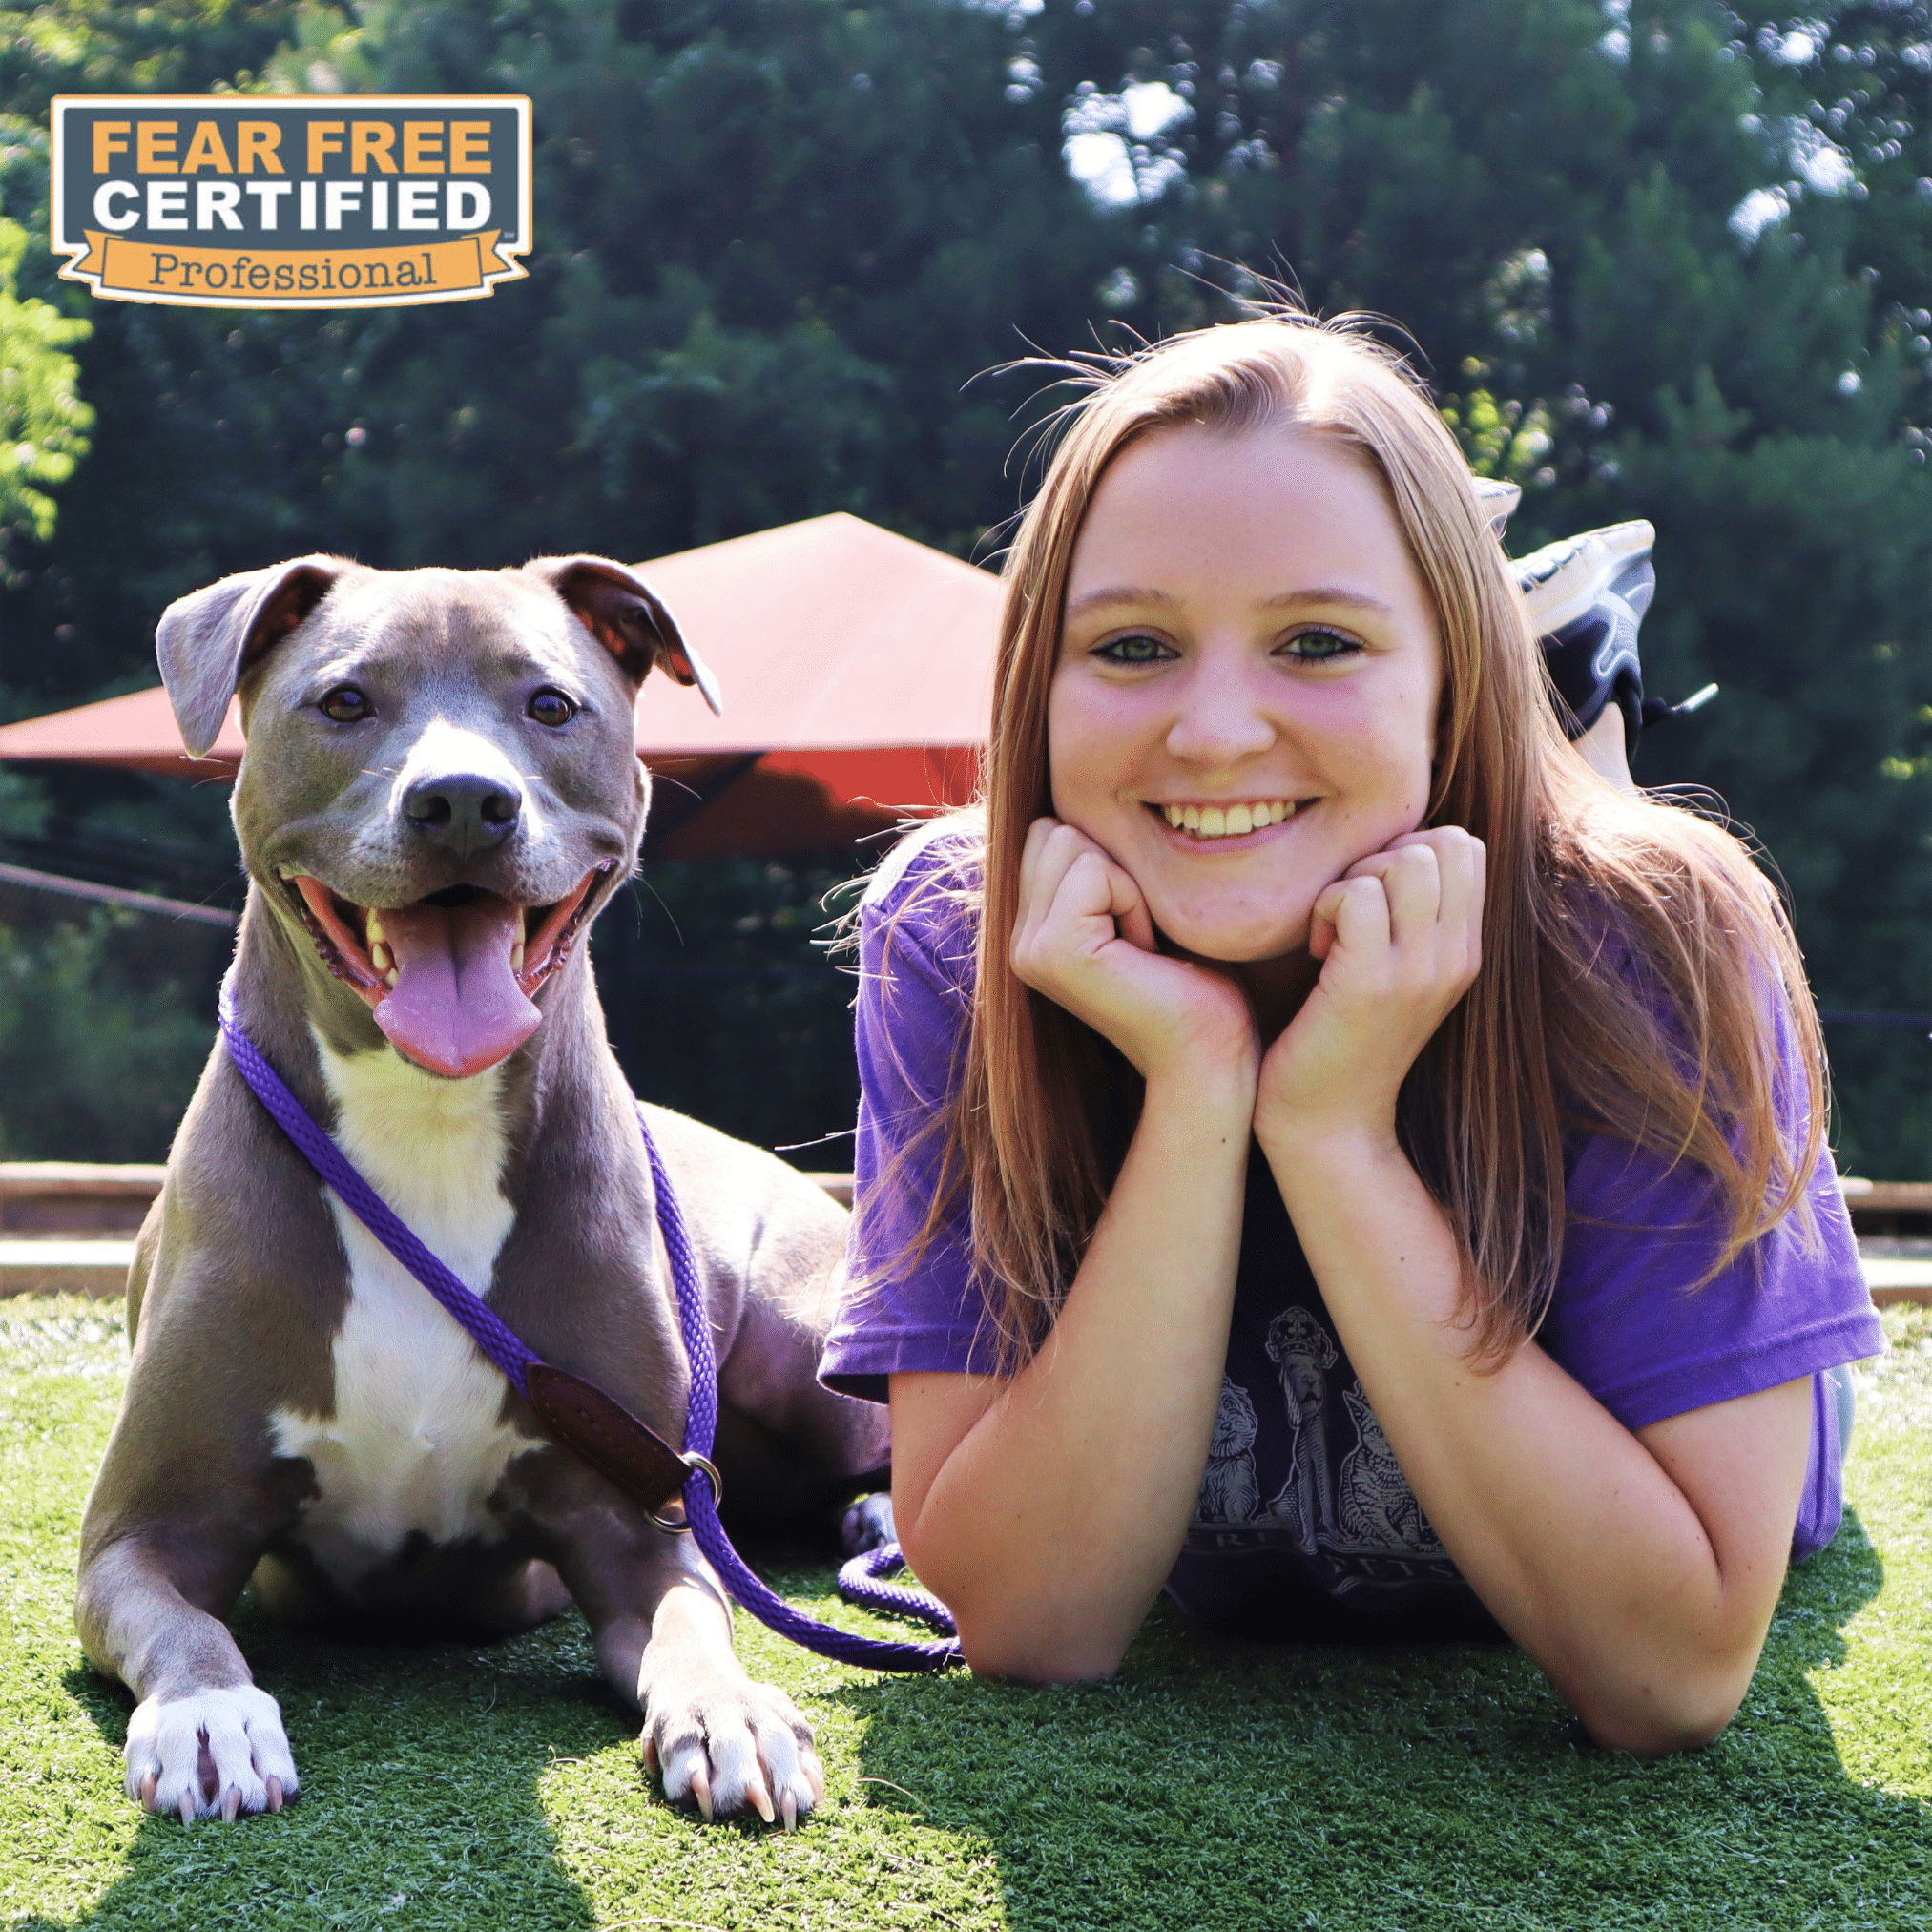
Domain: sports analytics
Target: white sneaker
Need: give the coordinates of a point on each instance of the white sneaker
(1585, 596)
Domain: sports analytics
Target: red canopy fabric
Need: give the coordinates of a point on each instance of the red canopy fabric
(856, 669)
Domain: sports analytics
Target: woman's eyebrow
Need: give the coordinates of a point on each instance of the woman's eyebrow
(1116, 593)
(1330, 596)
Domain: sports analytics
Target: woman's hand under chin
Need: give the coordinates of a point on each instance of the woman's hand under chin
(1400, 938)
(1085, 938)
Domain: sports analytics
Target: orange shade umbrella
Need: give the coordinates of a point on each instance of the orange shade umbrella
(856, 668)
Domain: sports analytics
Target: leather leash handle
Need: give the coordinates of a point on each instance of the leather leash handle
(598, 1429)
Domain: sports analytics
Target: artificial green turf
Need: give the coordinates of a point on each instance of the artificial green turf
(1211, 1785)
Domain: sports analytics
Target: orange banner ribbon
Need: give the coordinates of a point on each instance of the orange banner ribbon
(263, 277)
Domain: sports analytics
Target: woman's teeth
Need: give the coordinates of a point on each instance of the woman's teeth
(1228, 821)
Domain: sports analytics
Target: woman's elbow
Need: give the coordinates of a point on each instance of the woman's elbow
(1655, 1720)
(1025, 1646)
(1030, 1655)
(1010, 1626)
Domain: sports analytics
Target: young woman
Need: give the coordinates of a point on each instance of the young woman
(1324, 1151)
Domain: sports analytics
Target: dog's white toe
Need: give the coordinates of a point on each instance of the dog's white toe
(217, 1754)
(740, 1748)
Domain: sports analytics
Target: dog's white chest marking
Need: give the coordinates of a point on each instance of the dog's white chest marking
(416, 1442)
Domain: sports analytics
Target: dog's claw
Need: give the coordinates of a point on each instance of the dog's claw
(209, 1754)
(651, 1755)
(734, 1749)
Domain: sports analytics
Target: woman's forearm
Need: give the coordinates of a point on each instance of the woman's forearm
(1646, 1616)
(1050, 1524)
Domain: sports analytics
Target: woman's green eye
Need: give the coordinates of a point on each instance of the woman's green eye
(1318, 647)
(1133, 650)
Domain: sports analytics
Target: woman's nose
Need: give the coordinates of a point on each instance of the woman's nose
(1222, 722)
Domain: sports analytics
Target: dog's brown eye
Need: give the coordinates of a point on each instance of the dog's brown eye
(346, 704)
(551, 707)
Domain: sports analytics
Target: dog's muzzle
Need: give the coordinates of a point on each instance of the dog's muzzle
(452, 978)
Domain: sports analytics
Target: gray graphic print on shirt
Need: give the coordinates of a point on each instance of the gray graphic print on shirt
(1304, 1351)
(1379, 1509)
(1229, 1492)
(1358, 1504)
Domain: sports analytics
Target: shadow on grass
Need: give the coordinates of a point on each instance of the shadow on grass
(1215, 1784)
(420, 1805)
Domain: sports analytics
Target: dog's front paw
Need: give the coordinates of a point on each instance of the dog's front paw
(732, 1747)
(216, 1753)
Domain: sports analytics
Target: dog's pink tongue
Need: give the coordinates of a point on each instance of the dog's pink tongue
(456, 1007)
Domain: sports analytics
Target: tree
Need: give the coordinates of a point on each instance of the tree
(1662, 259)
(769, 308)
(43, 422)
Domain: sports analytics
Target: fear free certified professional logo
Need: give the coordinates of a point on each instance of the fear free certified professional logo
(253, 201)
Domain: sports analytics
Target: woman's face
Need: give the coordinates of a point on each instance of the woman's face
(1247, 647)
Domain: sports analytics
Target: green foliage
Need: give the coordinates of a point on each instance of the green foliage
(23, 805)
(1499, 439)
(778, 238)
(151, 46)
(327, 55)
(104, 1026)
(721, 1000)
(43, 422)
(1213, 1785)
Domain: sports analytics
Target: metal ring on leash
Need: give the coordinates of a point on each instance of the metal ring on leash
(677, 1525)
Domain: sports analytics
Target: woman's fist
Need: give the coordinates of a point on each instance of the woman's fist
(1400, 938)
(1083, 937)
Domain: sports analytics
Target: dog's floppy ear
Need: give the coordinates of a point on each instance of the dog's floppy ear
(626, 617)
(207, 639)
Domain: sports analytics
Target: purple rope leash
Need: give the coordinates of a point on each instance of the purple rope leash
(501, 1344)
(700, 1506)
(859, 1579)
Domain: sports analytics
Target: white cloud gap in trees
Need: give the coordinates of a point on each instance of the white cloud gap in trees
(1112, 144)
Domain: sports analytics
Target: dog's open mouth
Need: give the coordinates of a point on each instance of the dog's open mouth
(450, 978)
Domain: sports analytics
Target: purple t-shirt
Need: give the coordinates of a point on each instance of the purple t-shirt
(1305, 1524)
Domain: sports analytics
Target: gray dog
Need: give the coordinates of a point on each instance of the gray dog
(440, 791)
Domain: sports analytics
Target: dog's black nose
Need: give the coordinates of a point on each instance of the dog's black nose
(463, 811)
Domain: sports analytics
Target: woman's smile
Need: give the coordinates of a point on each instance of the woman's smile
(1245, 699)
(1214, 820)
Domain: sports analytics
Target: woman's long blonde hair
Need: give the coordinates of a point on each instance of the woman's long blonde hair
(1634, 960)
